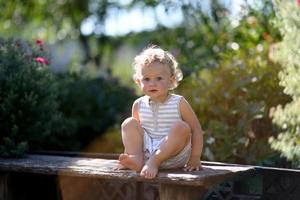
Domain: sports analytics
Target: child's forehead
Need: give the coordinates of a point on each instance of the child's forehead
(153, 71)
(155, 67)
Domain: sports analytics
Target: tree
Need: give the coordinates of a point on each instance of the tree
(55, 20)
(287, 118)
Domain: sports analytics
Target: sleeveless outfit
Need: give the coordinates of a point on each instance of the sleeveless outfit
(156, 119)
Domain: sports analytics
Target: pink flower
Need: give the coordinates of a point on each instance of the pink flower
(39, 42)
(42, 60)
(298, 2)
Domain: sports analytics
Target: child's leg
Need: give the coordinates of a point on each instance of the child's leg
(132, 137)
(176, 140)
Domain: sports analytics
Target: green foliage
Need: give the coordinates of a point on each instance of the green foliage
(90, 106)
(35, 17)
(287, 53)
(233, 103)
(43, 111)
(28, 108)
(232, 99)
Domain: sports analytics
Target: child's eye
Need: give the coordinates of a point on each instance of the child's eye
(159, 78)
(146, 79)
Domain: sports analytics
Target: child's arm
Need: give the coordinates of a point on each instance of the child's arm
(135, 113)
(190, 117)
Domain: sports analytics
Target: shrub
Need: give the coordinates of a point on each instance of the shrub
(40, 110)
(90, 106)
(233, 99)
(233, 103)
(287, 118)
(28, 92)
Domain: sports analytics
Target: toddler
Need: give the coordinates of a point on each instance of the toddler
(163, 131)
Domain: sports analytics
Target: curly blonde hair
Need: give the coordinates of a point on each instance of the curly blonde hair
(154, 53)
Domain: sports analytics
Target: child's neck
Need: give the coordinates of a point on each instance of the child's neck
(161, 100)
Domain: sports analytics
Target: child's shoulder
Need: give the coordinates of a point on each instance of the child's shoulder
(141, 99)
(176, 96)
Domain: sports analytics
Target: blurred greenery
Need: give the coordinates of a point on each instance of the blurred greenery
(41, 110)
(286, 52)
(229, 78)
(91, 106)
(233, 95)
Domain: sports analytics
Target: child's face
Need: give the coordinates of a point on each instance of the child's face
(155, 81)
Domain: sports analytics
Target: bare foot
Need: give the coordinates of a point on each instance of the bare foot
(120, 167)
(150, 169)
(133, 162)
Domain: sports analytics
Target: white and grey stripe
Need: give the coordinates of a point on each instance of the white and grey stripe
(157, 118)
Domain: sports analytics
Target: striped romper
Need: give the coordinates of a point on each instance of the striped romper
(156, 119)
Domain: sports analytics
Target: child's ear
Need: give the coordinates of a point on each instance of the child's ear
(137, 81)
(172, 81)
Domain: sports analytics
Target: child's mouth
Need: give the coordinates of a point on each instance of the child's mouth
(152, 91)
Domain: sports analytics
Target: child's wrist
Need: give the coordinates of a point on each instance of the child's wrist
(195, 155)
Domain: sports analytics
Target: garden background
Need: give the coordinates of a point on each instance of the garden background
(65, 83)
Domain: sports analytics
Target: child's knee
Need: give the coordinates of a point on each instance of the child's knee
(181, 128)
(129, 123)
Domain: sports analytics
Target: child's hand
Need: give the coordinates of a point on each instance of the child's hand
(194, 164)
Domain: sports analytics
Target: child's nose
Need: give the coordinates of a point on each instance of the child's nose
(152, 82)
